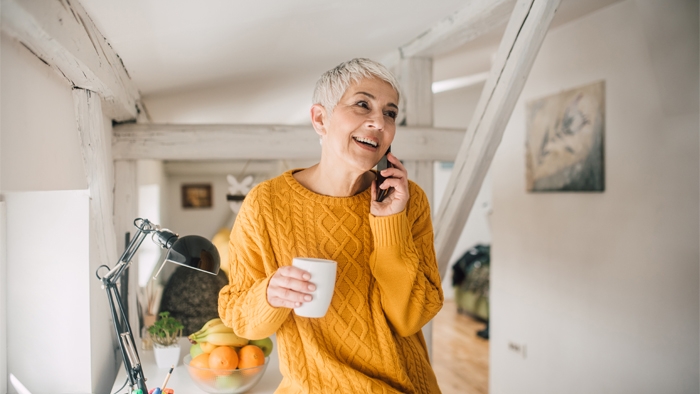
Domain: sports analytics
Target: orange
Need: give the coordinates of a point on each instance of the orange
(223, 359)
(250, 356)
(201, 361)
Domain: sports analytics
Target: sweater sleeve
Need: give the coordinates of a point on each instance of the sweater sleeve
(243, 302)
(404, 265)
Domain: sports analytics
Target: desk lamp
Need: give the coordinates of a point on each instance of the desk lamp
(190, 251)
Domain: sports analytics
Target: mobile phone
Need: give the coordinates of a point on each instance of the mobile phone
(383, 164)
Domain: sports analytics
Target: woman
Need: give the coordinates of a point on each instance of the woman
(387, 285)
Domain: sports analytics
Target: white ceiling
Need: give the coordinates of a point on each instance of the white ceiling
(175, 45)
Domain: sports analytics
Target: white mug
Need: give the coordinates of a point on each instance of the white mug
(323, 277)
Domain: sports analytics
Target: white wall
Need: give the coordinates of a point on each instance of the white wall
(47, 260)
(40, 145)
(40, 151)
(3, 298)
(3, 271)
(602, 288)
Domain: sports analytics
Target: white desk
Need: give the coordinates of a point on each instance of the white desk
(180, 380)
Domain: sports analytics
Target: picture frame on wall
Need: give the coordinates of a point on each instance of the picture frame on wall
(565, 141)
(197, 196)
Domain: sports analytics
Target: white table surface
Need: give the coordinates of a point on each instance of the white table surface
(180, 380)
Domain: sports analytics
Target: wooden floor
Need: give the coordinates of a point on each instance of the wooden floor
(460, 357)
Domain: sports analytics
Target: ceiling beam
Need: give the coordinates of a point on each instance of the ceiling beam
(262, 142)
(521, 43)
(238, 168)
(476, 19)
(62, 35)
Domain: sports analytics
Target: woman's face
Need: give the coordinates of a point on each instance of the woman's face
(362, 125)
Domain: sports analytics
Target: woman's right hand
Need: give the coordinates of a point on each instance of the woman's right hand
(288, 287)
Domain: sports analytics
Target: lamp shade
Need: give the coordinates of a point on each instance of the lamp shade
(195, 252)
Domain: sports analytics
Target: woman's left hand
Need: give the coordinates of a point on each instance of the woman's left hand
(397, 199)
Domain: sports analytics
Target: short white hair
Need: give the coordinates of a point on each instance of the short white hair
(333, 83)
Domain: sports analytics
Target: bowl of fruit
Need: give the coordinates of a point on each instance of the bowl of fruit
(222, 363)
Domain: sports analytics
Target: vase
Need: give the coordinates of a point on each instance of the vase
(167, 356)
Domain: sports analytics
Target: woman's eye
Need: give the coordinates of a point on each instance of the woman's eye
(363, 104)
(391, 114)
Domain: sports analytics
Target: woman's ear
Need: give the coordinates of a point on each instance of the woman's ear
(319, 119)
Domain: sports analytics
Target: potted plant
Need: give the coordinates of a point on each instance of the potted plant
(165, 333)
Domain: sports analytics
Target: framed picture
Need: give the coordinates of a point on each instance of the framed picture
(565, 141)
(196, 196)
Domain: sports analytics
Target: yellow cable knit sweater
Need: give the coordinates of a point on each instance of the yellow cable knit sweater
(387, 288)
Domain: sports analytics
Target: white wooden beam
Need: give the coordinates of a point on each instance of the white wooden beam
(477, 18)
(99, 171)
(262, 142)
(125, 211)
(237, 168)
(516, 54)
(415, 75)
(64, 37)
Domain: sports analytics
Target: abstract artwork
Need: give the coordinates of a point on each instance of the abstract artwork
(565, 141)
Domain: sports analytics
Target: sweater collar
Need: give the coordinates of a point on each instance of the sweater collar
(361, 197)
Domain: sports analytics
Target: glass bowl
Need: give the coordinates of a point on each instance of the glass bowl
(223, 381)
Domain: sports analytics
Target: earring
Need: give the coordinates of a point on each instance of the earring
(320, 141)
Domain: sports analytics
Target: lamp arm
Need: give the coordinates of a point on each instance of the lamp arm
(132, 363)
(144, 228)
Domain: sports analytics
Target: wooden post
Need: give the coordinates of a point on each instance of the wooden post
(416, 78)
(97, 162)
(516, 54)
(98, 170)
(125, 211)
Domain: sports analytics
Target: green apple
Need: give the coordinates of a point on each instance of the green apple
(229, 382)
(264, 344)
(195, 350)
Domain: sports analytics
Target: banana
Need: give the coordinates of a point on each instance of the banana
(210, 324)
(213, 330)
(224, 339)
(213, 322)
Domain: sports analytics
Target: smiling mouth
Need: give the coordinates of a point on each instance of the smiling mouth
(366, 141)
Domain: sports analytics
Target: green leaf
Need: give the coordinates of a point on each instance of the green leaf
(166, 330)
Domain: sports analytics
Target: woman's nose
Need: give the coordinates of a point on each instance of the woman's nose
(376, 120)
